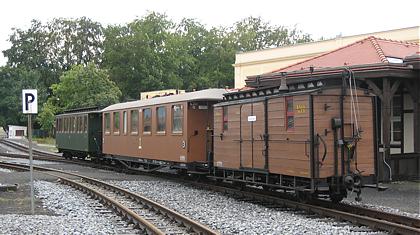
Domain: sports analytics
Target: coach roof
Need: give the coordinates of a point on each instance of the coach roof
(209, 94)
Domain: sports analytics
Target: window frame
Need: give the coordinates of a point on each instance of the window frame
(149, 121)
(79, 124)
(396, 118)
(289, 113)
(134, 132)
(125, 122)
(115, 129)
(58, 125)
(225, 118)
(85, 123)
(107, 121)
(65, 125)
(74, 124)
(158, 131)
(177, 132)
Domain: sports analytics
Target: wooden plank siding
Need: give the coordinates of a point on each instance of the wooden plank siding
(289, 149)
(322, 122)
(226, 143)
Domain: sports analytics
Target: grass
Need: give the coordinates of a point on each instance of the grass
(48, 140)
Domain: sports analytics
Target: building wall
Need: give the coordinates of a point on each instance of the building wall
(14, 129)
(264, 61)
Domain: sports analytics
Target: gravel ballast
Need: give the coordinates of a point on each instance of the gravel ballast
(231, 216)
(5, 170)
(74, 213)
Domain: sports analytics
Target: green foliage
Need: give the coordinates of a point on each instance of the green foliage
(54, 47)
(80, 87)
(255, 34)
(12, 81)
(84, 86)
(154, 53)
(136, 55)
(46, 117)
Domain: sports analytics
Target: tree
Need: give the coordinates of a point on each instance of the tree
(253, 33)
(55, 47)
(136, 55)
(204, 57)
(12, 81)
(80, 87)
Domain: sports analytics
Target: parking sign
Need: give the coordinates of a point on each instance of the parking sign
(29, 101)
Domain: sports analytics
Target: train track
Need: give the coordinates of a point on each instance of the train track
(24, 148)
(377, 220)
(374, 219)
(146, 215)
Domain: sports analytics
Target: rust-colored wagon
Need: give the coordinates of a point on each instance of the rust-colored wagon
(313, 141)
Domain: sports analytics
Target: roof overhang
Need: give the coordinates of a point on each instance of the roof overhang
(366, 71)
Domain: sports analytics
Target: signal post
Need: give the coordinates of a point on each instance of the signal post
(30, 106)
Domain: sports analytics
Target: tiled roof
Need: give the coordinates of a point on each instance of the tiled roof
(370, 50)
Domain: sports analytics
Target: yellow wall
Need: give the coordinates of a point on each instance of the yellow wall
(264, 61)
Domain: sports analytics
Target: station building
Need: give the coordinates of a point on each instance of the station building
(17, 132)
(390, 68)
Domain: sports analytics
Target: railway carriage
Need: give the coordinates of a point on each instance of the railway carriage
(312, 141)
(316, 141)
(79, 133)
(164, 131)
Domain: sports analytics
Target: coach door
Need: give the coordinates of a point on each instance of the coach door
(252, 132)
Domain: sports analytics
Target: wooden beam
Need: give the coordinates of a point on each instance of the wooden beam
(376, 90)
(395, 87)
(386, 117)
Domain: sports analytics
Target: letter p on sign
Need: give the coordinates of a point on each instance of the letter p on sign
(30, 101)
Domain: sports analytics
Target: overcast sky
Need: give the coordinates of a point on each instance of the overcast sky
(319, 18)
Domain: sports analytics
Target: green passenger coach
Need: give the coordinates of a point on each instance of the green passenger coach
(79, 133)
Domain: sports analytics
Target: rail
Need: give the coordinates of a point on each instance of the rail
(374, 219)
(179, 222)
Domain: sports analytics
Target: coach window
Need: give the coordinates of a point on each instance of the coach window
(177, 118)
(147, 121)
(107, 123)
(85, 124)
(225, 118)
(57, 125)
(116, 117)
(65, 124)
(79, 124)
(161, 120)
(290, 115)
(134, 122)
(74, 124)
(125, 127)
(71, 124)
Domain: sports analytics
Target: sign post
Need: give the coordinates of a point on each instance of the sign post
(30, 106)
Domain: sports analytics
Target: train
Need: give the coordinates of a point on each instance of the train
(314, 141)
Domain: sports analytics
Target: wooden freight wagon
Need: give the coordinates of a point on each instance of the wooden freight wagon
(163, 131)
(302, 141)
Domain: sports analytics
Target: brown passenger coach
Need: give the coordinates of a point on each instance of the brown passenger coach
(162, 131)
